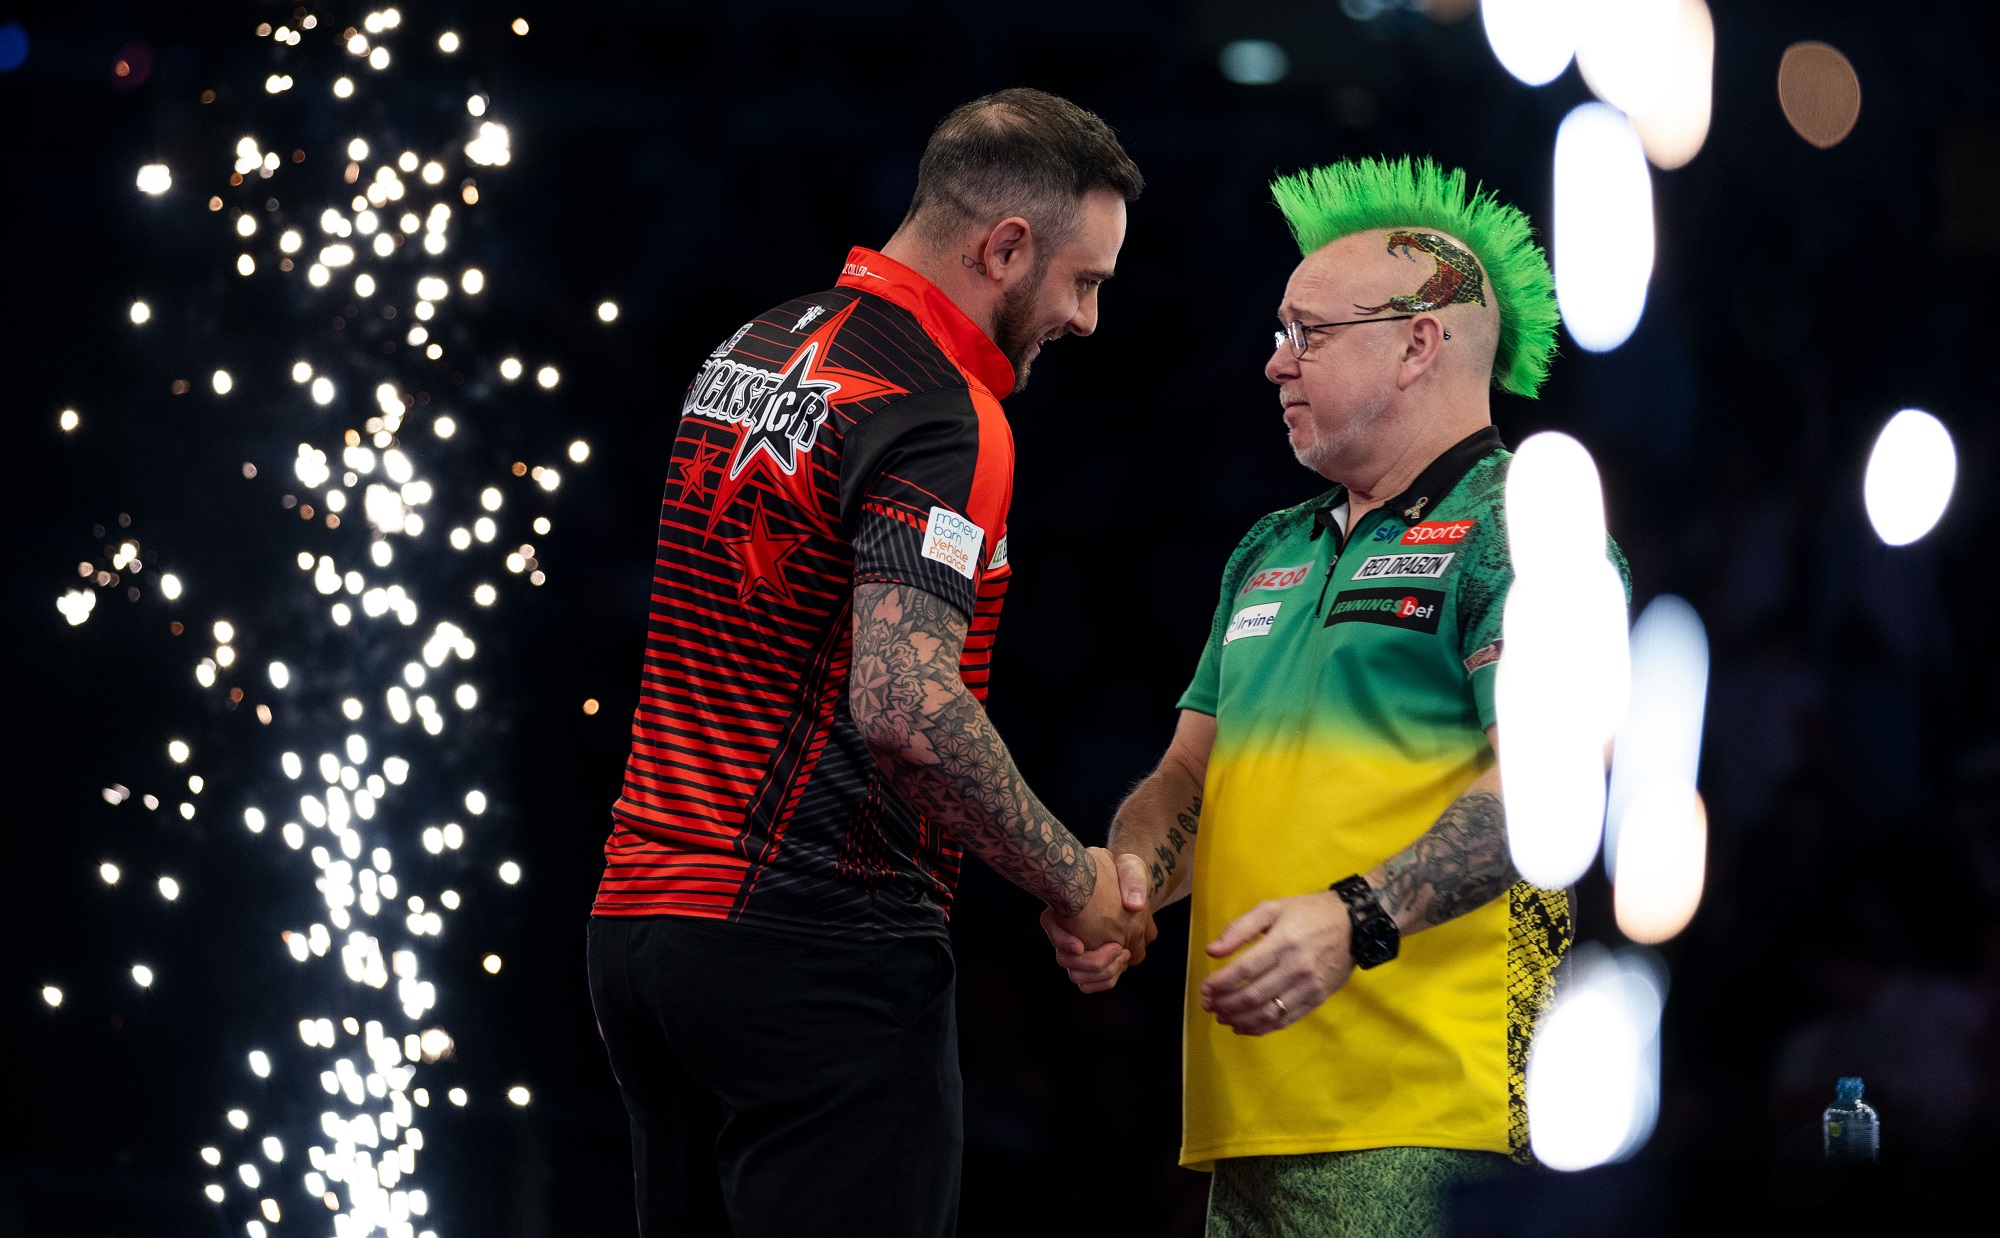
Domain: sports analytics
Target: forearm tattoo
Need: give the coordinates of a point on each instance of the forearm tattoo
(1460, 863)
(1168, 852)
(939, 749)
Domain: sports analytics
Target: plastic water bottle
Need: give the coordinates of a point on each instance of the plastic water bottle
(1851, 1130)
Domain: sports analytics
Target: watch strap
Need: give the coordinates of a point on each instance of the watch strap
(1375, 939)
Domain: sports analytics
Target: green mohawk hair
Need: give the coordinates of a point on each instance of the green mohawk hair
(1357, 195)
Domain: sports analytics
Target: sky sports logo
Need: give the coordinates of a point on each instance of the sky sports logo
(1414, 610)
(1276, 578)
(1437, 532)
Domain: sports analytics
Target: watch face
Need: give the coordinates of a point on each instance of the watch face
(1371, 950)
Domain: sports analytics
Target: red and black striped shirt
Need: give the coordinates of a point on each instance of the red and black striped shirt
(850, 436)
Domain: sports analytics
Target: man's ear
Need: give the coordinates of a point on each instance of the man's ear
(1010, 243)
(1426, 344)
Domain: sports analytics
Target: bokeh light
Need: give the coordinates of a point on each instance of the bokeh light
(1911, 473)
(13, 46)
(1675, 127)
(1820, 93)
(1660, 741)
(1563, 685)
(1661, 861)
(1624, 51)
(1254, 62)
(1603, 226)
(1593, 1075)
(1532, 39)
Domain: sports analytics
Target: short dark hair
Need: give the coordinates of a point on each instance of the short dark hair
(1017, 152)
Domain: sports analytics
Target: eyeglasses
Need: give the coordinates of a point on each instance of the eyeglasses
(1299, 334)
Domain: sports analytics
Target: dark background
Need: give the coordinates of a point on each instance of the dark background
(699, 162)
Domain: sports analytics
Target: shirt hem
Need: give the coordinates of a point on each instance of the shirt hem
(1204, 1159)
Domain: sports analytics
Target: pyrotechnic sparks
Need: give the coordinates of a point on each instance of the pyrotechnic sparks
(361, 643)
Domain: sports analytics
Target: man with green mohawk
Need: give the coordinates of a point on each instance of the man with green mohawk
(1366, 965)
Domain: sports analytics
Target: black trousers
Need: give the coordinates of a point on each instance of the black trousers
(782, 1086)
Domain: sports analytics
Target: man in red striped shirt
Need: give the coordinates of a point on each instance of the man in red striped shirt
(769, 958)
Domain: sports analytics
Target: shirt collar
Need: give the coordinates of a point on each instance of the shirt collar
(1431, 485)
(1443, 473)
(968, 346)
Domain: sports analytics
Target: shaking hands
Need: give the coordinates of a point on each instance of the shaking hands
(1111, 932)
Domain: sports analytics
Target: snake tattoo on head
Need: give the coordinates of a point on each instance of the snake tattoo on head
(1455, 282)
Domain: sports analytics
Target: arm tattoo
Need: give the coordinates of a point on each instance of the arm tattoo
(939, 749)
(1458, 864)
(1168, 859)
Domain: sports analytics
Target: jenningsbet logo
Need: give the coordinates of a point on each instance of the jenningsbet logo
(1415, 610)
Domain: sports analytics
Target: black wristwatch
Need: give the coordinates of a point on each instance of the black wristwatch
(1375, 938)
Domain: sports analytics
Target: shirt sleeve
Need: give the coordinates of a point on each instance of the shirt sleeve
(924, 489)
(1482, 597)
(1204, 693)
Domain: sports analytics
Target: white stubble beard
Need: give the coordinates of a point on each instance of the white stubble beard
(1323, 452)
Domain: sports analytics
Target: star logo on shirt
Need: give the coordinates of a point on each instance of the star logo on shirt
(762, 554)
(693, 473)
(778, 416)
(786, 419)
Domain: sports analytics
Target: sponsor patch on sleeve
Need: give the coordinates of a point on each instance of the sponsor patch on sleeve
(1414, 610)
(999, 559)
(953, 540)
(1276, 578)
(1485, 656)
(1251, 621)
(1437, 532)
(1426, 566)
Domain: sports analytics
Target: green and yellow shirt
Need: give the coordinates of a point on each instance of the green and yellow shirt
(1350, 672)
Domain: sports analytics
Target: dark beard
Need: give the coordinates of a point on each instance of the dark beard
(1014, 329)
